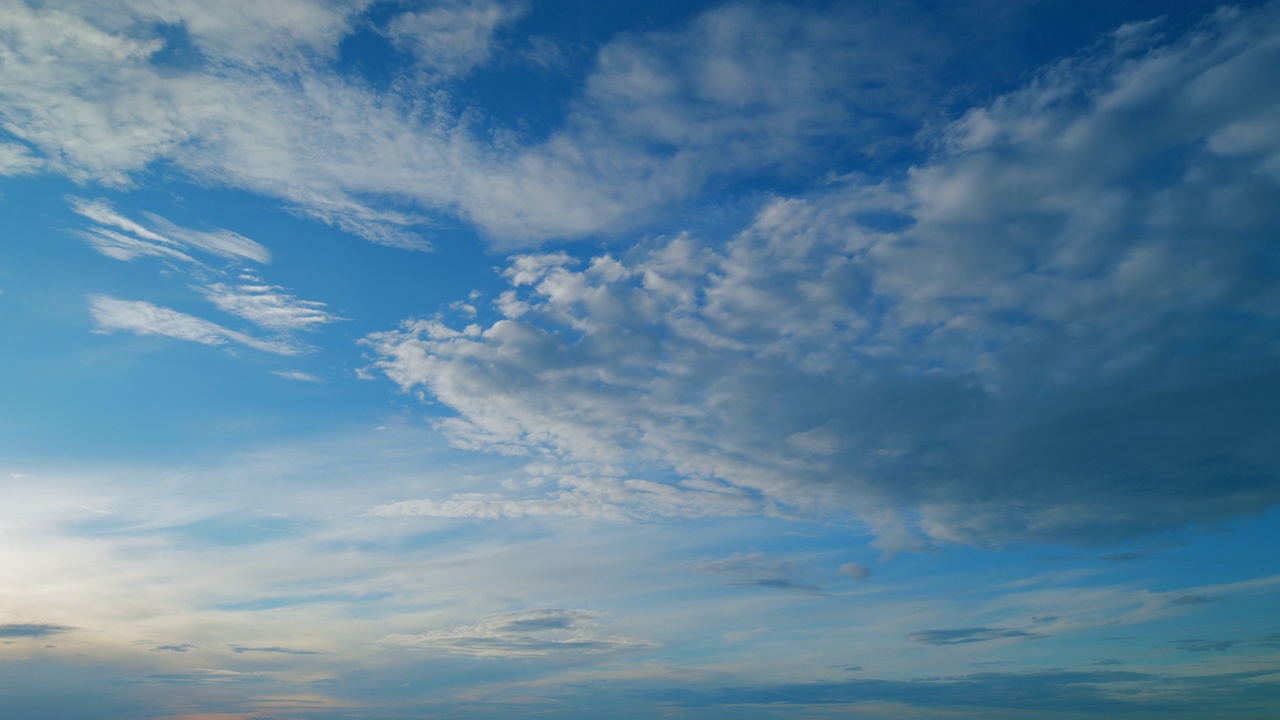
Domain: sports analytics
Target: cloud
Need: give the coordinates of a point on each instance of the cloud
(201, 676)
(218, 242)
(297, 375)
(246, 97)
(1037, 692)
(600, 498)
(1025, 338)
(854, 570)
(963, 636)
(267, 306)
(17, 159)
(756, 569)
(452, 38)
(531, 633)
(174, 648)
(143, 318)
(238, 649)
(32, 630)
(162, 239)
(1189, 600)
(1206, 645)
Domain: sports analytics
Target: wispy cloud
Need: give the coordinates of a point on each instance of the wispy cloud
(962, 636)
(267, 306)
(163, 238)
(605, 498)
(143, 318)
(297, 375)
(240, 649)
(17, 159)
(756, 569)
(184, 647)
(741, 88)
(530, 633)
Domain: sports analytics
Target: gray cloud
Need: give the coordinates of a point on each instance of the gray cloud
(857, 571)
(1196, 645)
(1023, 339)
(32, 630)
(1189, 600)
(531, 633)
(963, 636)
(271, 649)
(758, 570)
(1081, 691)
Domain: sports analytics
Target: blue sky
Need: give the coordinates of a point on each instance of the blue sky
(736, 360)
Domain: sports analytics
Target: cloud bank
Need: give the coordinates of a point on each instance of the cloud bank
(1062, 327)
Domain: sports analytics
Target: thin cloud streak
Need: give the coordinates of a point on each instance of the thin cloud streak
(144, 318)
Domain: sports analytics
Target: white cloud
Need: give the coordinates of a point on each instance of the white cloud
(599, 498)
(143, 318)
(297, 375)
(268, 307)
(452, 38)
(163, 238)
(531, 633)
(220, 242)
(17, 160)
(1060, 328)
(256, 106)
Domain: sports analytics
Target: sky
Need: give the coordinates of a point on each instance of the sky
(490, 359)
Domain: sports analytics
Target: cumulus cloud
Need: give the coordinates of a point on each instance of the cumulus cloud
(144, 318)
(1059, 328)
(530, 633)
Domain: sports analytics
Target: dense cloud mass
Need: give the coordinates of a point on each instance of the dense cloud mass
(1062, 327)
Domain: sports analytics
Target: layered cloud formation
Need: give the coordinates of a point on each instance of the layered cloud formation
(1062, 327)
(252, 99)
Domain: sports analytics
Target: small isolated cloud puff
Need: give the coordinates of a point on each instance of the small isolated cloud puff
(854, 570)
(530, 633)
(451, 38)
(1061, 331)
